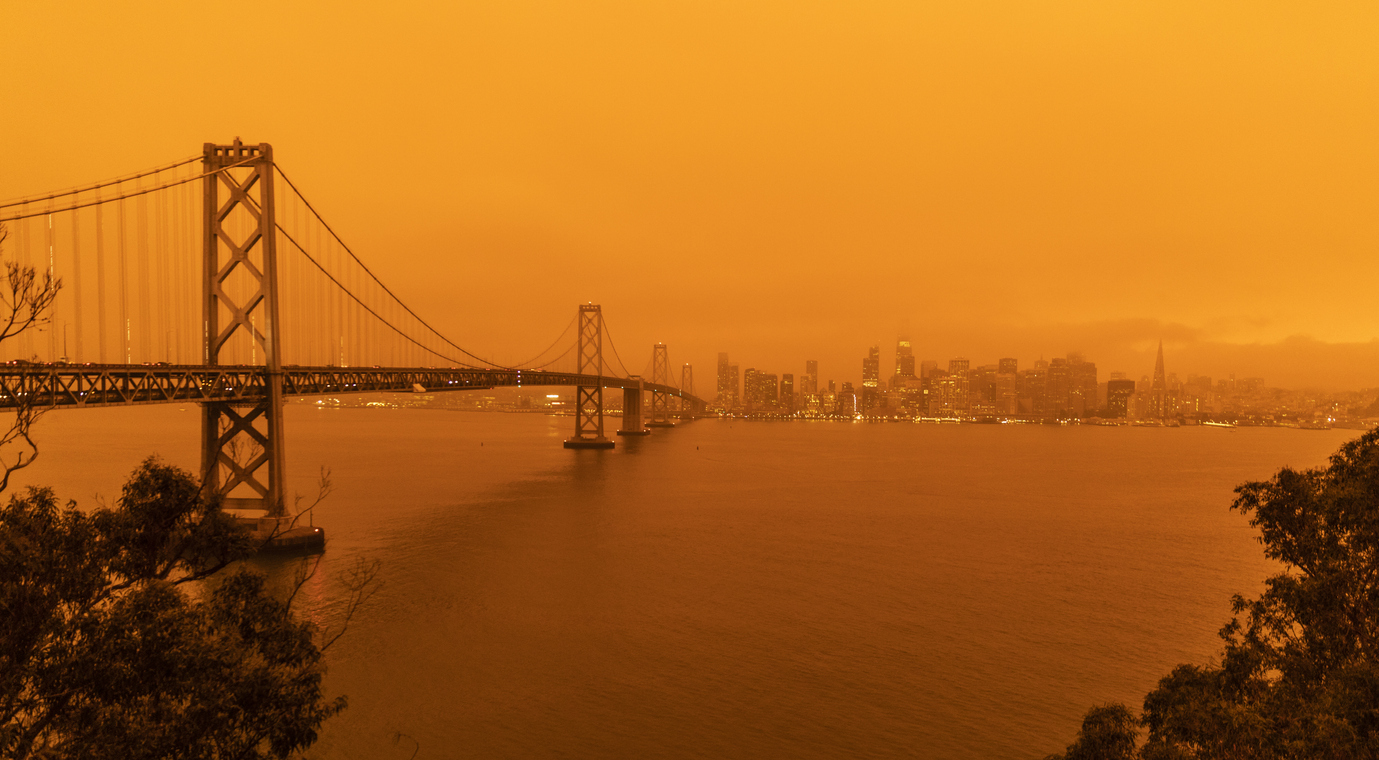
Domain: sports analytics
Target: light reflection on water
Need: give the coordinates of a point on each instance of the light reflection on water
(744, 590)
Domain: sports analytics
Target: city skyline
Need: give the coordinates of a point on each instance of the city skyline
(790, 209)
(1068, 387)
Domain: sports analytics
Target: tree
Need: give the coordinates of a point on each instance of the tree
(1108, 733)
(1299, 673)
(25, 304)
(104, 653)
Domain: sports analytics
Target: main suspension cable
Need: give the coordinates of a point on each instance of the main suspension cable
(367, 308)
(98, 201)
(365, 267)
(98, 185)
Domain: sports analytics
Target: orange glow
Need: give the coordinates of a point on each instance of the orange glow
(781, 180)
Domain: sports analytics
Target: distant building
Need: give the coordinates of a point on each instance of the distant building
(810, 381)
(847, 400)
(734, 389)
(1158, 389)
(724, 398)
(904, 363)
(787, 392)
(871, 378)
(958, 365)
(1008, 366)
(752, 394)
(1118, 394)
(1058, 388)
(981, 390)
(1082, 386)
(927, 367)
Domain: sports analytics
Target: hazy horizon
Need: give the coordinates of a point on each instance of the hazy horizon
(783, 181)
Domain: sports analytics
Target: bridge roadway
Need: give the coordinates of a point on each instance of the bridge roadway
(82, 385)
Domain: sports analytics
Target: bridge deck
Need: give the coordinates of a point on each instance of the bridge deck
(80, 385)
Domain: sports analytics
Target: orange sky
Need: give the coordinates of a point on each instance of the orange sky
(781, 180)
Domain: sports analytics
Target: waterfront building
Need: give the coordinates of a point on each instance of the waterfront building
(1118, 396)
(871, 377)
(981, 383)
(787, 393)
(810, 381)
(1082, 386)
(1057, 388)
(752, 395)
(723, 399)
(847, 401)
(1158, 389)
(904, 363)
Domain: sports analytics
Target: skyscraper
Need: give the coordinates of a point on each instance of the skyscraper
(1118, 393)
(1158, 388)
(787, 392)
(734, 392)
(810, 381)
(723, 399)
(1057, 387)
(871, 378)
(1008, 366)
(904, 363)
(752, 392)
(1082, 389)
(871, 368)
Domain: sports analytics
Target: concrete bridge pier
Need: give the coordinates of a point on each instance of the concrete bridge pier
(632, 410)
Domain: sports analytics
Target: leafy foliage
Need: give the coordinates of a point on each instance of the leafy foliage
(1299, 674)
(105, 653)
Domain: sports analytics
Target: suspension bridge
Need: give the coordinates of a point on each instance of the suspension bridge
(286, 308)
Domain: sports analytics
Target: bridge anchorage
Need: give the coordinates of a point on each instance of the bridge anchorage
(286, 309)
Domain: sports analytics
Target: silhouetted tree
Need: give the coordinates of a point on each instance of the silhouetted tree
(26, 300)
(1108, 733)
(1299, 675)
(103, 652)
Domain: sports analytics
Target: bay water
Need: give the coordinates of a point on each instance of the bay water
(740, 589)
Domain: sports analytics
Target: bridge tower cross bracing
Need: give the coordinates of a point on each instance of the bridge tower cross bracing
(589, 399)
(660, 400)
(686, 388)
(242, 453)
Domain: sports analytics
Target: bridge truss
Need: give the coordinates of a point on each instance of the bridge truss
(276, 285)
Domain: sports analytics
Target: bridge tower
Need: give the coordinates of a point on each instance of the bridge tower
(660, 400)
(242, 454)
(589, 399)
(687, 389)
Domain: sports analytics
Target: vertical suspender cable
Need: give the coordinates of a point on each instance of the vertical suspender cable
(53, 322)
(124, 289)
(26, 339)
(165, 294)
(145, 291)
(100, 285)
(77, 303)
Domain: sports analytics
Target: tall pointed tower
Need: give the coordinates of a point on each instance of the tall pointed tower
(1158, 389)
